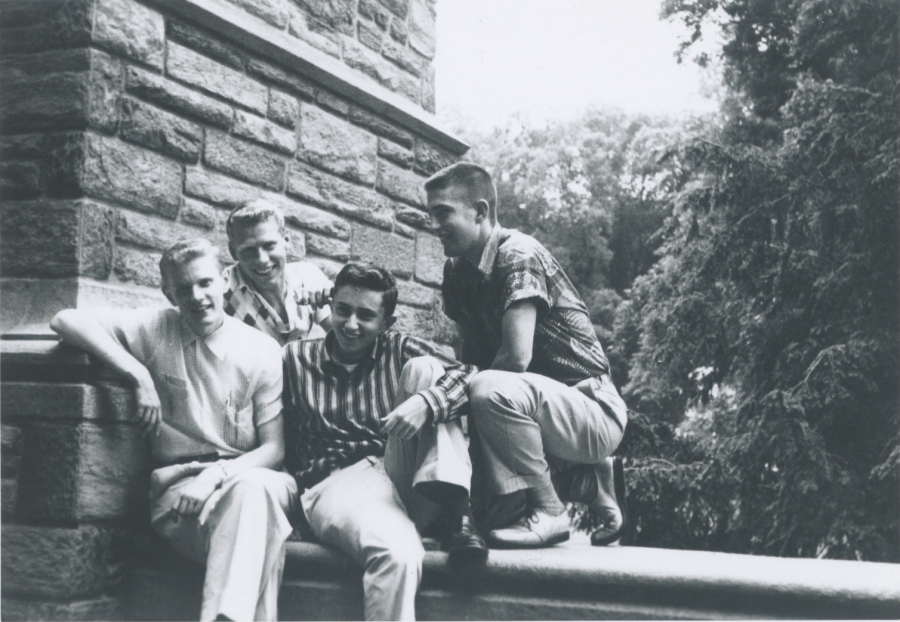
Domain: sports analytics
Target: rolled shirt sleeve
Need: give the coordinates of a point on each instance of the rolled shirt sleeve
(449, 396)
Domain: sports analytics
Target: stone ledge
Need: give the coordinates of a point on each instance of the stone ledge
(254, 33)
(572, 581)
(47, 360)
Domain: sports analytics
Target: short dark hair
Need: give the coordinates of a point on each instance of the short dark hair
(184, 251)
(474, 178)
(371, 277)
(252, 213)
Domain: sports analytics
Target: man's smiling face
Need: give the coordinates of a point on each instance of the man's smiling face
(261, 252)
(455, 220)
(357, 318)
(197, 288)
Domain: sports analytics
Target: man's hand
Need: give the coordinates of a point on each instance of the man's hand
(148, 412)
(192, 497)
(315, 299)
(163, 477)
(407, 419)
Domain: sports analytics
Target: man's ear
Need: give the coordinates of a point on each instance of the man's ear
(389, 321)
(482, 211)
(232, 251)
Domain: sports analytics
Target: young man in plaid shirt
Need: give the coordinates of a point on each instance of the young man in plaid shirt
(375, 442)
(284, 300)
(547, 415)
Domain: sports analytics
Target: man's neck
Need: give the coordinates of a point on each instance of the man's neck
(473, 255)
(346, 359)
(273, 293)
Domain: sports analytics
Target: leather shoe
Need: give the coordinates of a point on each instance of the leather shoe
(465, 544)
(538, 530)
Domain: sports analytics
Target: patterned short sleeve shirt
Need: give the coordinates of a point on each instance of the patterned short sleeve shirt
(515, 267)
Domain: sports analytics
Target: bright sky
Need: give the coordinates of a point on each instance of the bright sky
(553, 58)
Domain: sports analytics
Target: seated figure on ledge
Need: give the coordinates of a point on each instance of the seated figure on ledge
(208, 390)
(375, 442)
(546, 414)
(283, 300)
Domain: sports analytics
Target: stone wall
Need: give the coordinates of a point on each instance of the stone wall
(128, 125)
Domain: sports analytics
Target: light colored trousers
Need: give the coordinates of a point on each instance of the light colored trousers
(370, 509)
(527, 423)
(240, 538)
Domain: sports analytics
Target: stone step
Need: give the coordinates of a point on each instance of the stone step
(570, 581)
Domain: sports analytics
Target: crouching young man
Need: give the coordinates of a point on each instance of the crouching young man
(208, 389)
(375, 442)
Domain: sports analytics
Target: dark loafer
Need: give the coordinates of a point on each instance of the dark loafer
(604, 536)
(465, 544)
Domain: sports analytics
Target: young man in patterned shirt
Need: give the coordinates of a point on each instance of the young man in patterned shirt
(375, 442)
(547, 415)
(284, 300)
(209, 388)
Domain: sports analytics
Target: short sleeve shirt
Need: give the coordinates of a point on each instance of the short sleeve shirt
(214, 391)
(246, 304)
(515, 267)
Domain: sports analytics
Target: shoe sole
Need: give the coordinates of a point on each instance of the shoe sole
(621, 499)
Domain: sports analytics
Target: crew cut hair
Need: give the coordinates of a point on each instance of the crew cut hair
(184, 251)
(371, 277)
(252, 213)
(474, 178)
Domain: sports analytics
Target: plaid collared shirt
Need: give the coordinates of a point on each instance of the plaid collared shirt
(214, 391)
(514, 267)
(246, 304)
(334, 416)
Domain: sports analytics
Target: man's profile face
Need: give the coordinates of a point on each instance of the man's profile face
(357, 318)
(197, 289)
(261, 252)
(454, 219)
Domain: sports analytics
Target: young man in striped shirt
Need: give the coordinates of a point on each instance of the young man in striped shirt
(375, 443)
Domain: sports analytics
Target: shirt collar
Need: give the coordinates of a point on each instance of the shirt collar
(217, 342)
(329, 347)
(489, 254)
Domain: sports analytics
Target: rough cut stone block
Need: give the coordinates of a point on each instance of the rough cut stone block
(160, 130)
(397, 7)
(399, 31)
(328, 247)
(56, 239)
(61, 563)
(19, 180)
(218, 189)
(276, 12)
(414, 294)
(385, 249)
(369, 36)
(428, 101)
(382, 71)
(334, 14)
(130, 29)
(430, 158)
(405, 59)
(395, 153)
(243, 160)
(300, 215)
(9, 488)
(104, 91)
(281, 77)
(140, 268)
(45, 102)
(52, 61)
(422, 27)
(206, 74)
(400, 184)
(100, 608)
(171, 95)
(324, 41)
(139, 178)
(148, 232)
(379, 125)
(81, 472)
(405, 231)
(330, 101)
(198, 214)
(22, 147)
(369, 9)
(418, 322)
(283, 108)
(66, 401)
(413, 216)
(345, 198)
(12, 448)
(202, 42)
(430, 259)
(259, 130)
(337, 146)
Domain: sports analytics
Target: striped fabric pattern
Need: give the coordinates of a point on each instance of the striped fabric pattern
(334, 416)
